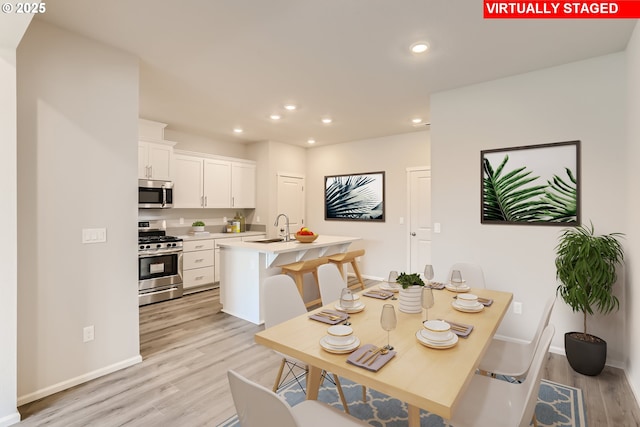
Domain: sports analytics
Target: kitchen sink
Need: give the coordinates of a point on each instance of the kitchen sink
(268, 241)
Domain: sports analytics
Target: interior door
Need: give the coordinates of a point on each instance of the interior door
(419, 219)
(291, 200)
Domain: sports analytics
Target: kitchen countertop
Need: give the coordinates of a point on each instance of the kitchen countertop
(291, 246)
(220, 235)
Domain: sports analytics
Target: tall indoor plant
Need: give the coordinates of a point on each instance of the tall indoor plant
(586, 268)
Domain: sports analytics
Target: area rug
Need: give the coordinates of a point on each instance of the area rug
(558, 406)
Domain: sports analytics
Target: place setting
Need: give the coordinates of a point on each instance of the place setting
(349, 302)
(370, 356)
(391, 284)
(467, 303)
(457, 283)
(428, 275)
(339, 340)
(332, 317)
(437, 334)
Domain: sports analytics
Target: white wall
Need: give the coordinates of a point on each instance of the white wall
(385, 243)
(77, 155)
(12, 28)
(632, 336)
(579, 101)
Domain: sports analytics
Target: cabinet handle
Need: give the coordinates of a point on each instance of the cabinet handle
(205, 200)
(199, 246)
(202, 201)
(233, 201)
(151, 171)
(199, 260)
(199, 277)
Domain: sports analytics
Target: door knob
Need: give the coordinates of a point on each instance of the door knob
(413, 233)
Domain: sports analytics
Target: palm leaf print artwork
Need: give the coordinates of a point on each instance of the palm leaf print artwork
(537, 189)
(354, 197)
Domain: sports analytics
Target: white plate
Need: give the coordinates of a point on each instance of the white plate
(476, 309)
(349, 343)
(438, 345)
(424, 335)
(387, 287)
(338, 350)
(355, 309)
(452, 288)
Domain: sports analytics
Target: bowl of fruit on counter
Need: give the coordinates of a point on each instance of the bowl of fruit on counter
(304, 235)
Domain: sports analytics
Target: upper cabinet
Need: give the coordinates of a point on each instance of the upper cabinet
(155, 160)
(209, 182)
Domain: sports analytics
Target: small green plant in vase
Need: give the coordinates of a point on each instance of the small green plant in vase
(198, 226)
(406, 280)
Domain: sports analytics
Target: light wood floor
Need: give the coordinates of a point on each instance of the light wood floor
(187, 347)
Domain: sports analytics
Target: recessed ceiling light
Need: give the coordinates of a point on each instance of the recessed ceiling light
(290, 107)
(237, 130)
(419, 47)
(416, 120)
(311, 141)
(275, 117)
(326, 120)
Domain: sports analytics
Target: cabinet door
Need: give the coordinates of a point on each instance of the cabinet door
(217, 183)
(143, 158)
(160, 157)
(187, 182)
(243, 185)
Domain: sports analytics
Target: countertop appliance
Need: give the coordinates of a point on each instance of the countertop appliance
(159, 265)
(154, 194)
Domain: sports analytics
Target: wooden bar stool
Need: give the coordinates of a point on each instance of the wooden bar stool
(346, 258)
(298, 269)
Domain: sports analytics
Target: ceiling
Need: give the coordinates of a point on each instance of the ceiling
(208, 66)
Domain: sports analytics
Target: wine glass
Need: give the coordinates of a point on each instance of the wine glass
(346, 299)
(388, 321)
(428, 273)
(427, 301)
(393, 278)
(456, 278)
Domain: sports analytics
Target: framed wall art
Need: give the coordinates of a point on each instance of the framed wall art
(354, 197)
(534, 184)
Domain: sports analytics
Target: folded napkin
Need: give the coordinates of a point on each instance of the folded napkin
(324, 317)
(378, 294)
(379, 360)
(436, 285)
(460, 329)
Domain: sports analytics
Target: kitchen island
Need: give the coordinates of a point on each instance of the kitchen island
(244, 265)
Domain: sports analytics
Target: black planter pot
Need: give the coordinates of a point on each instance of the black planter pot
(585, 357)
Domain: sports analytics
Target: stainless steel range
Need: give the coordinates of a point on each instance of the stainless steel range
(159, 265)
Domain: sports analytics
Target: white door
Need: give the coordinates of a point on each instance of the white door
(419, 219)
(291, 200)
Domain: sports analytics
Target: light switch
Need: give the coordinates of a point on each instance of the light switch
(436, 227)
(94, 235)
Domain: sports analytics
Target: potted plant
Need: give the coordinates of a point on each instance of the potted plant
(198, 226)
(410, 296)
(586, 268)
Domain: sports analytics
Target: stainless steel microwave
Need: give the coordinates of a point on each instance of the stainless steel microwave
(154, 194)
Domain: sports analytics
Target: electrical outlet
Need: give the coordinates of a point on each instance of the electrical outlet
(517, 308)
(436, 227)
(88, 333)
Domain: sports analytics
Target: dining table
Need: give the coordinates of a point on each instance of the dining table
(432, 379)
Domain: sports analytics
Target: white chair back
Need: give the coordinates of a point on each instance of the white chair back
(532, 382)
(544, 321)
(331, 283)
(257, 406)
(282, 301)
(471, 273)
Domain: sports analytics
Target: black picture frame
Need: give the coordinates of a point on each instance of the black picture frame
(354, 197)
(531, 185)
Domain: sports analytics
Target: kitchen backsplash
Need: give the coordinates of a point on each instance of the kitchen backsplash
(181, 219)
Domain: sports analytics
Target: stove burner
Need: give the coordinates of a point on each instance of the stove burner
(158, 239)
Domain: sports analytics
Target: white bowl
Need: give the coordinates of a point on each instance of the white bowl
(467, 300)
(436, 330)
(339, 334)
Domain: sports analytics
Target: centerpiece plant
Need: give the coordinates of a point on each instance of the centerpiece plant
(586, 268)
(410, 296)
(406, 280)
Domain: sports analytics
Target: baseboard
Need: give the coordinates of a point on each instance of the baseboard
(10, 419)
(47, 391)
(633, 389)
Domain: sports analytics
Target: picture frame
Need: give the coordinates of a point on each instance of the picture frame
(531, 185)
(355, 197)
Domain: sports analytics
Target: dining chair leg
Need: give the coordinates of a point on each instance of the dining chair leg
(341, 393)
(279, 376)
(364, 394)
(535, 420)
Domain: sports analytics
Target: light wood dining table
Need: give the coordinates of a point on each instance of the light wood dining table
(424, 378)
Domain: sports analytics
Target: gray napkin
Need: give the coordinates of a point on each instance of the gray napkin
(379, 362)
(436, 285)
(379, 294)
(324, 319)
(461, 333)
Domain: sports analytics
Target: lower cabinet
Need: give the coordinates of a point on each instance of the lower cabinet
(198, 272)
(231, 239)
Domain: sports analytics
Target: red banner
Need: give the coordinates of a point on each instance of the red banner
(542, 9)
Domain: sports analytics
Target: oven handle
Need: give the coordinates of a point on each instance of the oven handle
(152, 254)
(164, 196)
(173, 288)
(180, 265)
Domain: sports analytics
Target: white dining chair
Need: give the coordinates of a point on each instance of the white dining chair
(331, 283)
(258, 406)
(497, 403)
(513, 359)
(471, 273)
(282, 301)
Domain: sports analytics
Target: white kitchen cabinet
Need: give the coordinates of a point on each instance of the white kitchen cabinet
(198, 272)
(231, 239)
(208, 182)
(155, 160)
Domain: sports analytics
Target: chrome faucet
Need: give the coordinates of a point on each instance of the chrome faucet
(287, 236)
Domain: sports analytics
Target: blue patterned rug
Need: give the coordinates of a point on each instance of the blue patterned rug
(558, 406)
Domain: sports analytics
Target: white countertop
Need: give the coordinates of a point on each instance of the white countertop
(291, 246)
(220, 235)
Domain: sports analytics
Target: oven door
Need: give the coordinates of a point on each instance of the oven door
(155, 194)
(161, 270)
